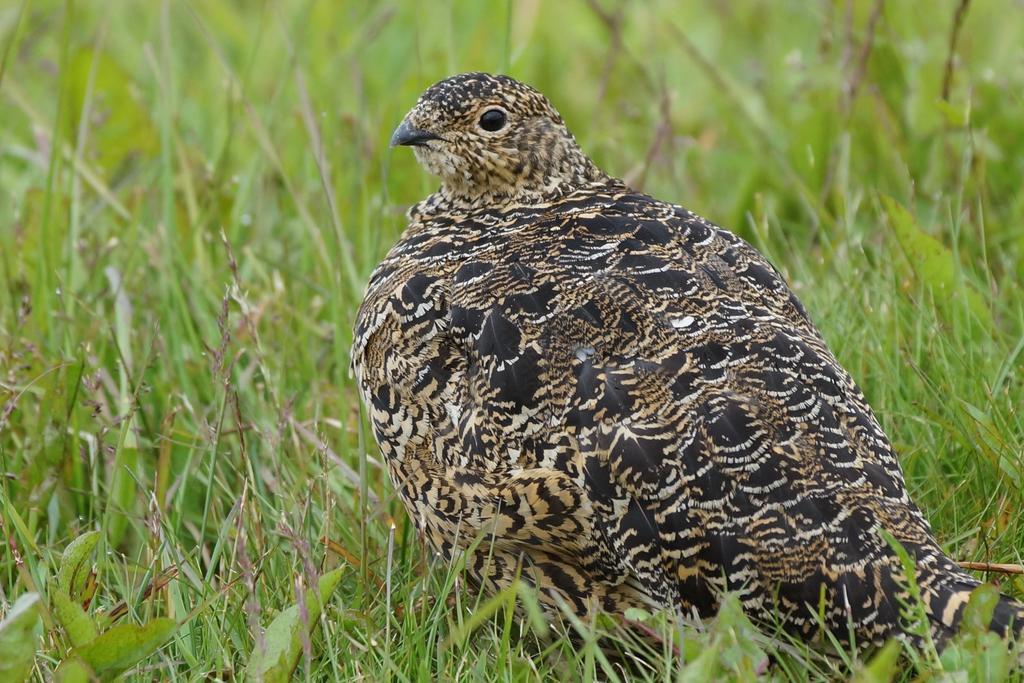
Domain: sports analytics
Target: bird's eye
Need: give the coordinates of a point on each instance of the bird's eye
(492, 120)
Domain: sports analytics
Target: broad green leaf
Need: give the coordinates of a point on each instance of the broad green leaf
(980, 608)
(76, 565)
(993, 659)
(18, 638)
(883, 665)
(977, 657)
(282, 641)
(72, 670)
(955, 658)
(79, 626)
(705, 667)
(125, 645)
(933, 263)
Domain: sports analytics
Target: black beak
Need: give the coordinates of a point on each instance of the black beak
(407, 135)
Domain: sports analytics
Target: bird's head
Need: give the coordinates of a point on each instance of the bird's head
(492, 138)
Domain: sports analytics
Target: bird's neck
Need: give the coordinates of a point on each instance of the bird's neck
(577, 174)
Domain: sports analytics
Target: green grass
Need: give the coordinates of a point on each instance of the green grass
(192, 194)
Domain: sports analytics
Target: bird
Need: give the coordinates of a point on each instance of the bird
(605, 395)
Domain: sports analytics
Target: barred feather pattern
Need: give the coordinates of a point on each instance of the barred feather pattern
(631, 406)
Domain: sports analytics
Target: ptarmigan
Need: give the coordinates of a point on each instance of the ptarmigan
(624, 399)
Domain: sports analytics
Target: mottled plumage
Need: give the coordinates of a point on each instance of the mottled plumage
(628, 401)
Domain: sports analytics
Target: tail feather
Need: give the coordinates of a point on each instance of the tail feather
(947, 604)
(1008, 618)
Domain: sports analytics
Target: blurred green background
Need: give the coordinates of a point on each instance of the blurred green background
(192, 195)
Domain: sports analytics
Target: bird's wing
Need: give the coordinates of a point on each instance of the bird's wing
(666, 367)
